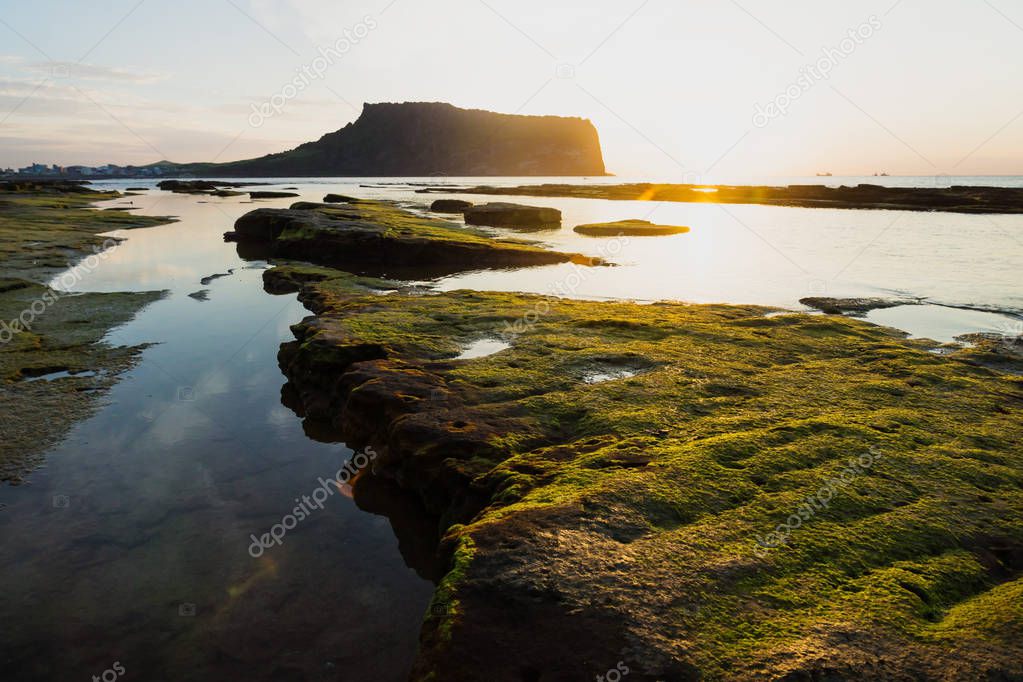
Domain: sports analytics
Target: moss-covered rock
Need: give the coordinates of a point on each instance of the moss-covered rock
(373, 236)
(630, 228)
(786, 497)
(54, 366)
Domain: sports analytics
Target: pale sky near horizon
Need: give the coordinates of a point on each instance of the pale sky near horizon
(672, 85)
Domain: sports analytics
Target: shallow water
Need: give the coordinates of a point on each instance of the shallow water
(132, 544)
(481, 348)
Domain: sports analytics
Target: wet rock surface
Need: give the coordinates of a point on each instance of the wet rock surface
(855, 306)
(55, 366)
(503, 214)
(271, 195)
(200, 186)
(591, 523)
(377, 237)
(450, 206)
(630, 228)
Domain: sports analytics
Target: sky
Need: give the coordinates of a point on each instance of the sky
(678, 89)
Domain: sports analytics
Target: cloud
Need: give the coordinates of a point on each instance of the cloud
(93, 72)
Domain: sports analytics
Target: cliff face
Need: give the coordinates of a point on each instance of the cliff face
(422, 139)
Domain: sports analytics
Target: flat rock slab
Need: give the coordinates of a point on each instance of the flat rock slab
(630, 228)
(957, 199)
(856, 306)
(378, 237)
(501, 214)
(660, 477)
(199, 186)
(450, 206)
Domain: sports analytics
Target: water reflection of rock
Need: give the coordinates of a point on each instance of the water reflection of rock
(417, 531)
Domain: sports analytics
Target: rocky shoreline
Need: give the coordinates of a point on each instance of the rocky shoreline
(614, 481)
(54, 366)
(951, 199)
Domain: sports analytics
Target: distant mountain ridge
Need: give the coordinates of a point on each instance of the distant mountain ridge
(433, 138)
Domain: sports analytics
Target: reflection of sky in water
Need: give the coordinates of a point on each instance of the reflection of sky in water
(193, 453)
(734, 253)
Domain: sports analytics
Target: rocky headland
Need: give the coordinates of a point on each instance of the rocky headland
(432, 138)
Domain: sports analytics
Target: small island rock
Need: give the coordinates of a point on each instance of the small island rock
(501, 214)
(630, 228)
(450, 206)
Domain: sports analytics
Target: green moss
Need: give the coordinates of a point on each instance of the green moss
(40, 234)
(731, 421)
(445, 605)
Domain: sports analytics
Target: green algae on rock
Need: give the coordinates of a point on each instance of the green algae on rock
(65, 343)
(625, 519)
(630, 228)
(43, 230)
(373, 235)
(54, 372)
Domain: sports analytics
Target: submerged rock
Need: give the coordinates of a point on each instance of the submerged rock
(630, 228)
(450, 206)
(502, 214)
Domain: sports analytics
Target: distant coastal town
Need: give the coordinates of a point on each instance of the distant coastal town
(37, 171)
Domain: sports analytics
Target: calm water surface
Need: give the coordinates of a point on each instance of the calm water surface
(131, 545)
